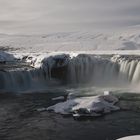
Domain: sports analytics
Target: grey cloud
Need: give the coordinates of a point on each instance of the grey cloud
(39, 16)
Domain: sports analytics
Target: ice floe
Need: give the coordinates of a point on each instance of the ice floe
(87, 106)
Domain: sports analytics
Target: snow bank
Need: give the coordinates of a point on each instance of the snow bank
(87, 106)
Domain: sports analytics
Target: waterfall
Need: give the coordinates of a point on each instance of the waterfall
(104, 71)
(22, 79)
(86, 68)
(80, 69)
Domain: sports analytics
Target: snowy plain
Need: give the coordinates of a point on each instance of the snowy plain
(39, 46)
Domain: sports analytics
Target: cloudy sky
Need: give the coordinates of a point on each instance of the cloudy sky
(46, 16)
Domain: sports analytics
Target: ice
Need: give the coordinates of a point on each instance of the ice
(87, 106)
(70, 96)
(82, 55)
(58, 98)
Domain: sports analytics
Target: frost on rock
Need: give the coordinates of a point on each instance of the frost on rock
(87, 106)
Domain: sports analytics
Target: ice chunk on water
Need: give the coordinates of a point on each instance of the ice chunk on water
(87, 106)
(41, 109)
(106, 92)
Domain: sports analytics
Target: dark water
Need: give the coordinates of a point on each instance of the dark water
(20, 120)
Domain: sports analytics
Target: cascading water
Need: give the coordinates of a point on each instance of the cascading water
(81, 69)
(85, 69)
(22, 80)
(103, 71)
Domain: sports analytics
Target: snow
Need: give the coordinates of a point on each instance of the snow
(73, 41)
(87, 106)
(136, 137)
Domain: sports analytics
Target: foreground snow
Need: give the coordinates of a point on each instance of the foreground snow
(87, 106)
(137, 137)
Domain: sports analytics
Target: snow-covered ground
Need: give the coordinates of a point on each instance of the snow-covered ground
(40, 46)
(73, 41)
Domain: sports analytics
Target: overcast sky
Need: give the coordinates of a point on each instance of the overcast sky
(46, 16)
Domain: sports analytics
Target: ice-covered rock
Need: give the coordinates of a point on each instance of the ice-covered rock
(56, 61)
(70, 96)
(87, 106)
